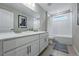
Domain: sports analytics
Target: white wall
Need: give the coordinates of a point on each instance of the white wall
(75, 29)
(6, 21)
(43, 20)
(15, 18)
(29, 16)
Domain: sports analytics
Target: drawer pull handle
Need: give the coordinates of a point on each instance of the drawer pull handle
(30, 48)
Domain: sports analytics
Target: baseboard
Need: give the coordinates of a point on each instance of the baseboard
(76, 51)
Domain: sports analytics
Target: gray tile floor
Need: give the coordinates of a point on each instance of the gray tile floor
(51, 52)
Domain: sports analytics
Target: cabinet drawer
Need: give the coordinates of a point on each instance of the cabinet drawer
(21, 51)
(25, 40)
(31, 38)
(13, 43)
(43, 35)
(42, 40)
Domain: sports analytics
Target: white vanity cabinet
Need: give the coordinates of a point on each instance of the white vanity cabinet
(30, 45)
(21, 46)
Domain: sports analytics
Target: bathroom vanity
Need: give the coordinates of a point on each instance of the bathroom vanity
(23, 44)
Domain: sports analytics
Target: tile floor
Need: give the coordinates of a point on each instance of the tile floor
(51, 52)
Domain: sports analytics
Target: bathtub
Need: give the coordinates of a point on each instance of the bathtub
(63, 39)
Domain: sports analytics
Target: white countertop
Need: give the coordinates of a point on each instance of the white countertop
(15, 35)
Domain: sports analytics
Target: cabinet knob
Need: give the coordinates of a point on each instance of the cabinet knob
(29, 49)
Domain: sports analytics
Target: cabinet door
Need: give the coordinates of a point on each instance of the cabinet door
(46, 42)
(22, 51)
(9, 44)
(43, 41)
(35, 48)
(11, 53)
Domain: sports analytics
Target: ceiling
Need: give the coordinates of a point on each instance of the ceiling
(52, 8)
(20, 7)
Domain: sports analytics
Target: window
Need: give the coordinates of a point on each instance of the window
(60, 18)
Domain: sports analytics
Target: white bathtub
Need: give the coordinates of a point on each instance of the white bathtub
(63, 39)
